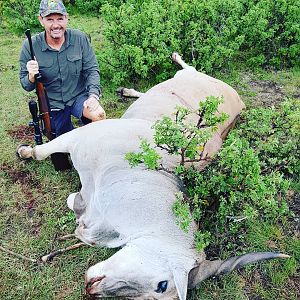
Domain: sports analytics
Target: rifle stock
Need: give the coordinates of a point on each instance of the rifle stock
(44, 110)
(59, 160)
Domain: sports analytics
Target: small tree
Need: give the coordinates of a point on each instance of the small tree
(180, 137)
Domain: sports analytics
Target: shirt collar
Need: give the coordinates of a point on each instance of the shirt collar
(68, 40)
(45, 46)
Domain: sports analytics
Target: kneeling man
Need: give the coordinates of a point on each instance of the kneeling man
(68, 66)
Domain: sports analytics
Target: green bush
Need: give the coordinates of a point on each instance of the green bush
(210, 31)
(141, 35)
(252, 173)
(272, 32)
(147, 155)
(234, 190)
(280, 132)
(93, 6)
(138, 41)
(20, 15)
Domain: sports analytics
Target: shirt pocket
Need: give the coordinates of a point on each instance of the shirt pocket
(47, 69)
(74, 63)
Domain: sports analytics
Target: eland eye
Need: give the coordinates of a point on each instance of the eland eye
(162, 286)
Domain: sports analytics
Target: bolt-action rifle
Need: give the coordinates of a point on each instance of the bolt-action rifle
(41, 117)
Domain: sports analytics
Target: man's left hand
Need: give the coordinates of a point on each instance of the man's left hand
(93, 110)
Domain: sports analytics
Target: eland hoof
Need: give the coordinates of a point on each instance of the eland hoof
(24, 152)
(176, 57)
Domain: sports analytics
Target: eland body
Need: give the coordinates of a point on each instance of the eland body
(131, 208)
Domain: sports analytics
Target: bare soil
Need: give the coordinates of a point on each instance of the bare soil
(267, 93)
(27, 183)
(22, 133)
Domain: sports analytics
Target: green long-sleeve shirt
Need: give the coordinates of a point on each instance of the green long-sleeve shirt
(67, 73)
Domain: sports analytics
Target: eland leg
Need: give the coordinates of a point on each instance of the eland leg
(125, 93)
(40, 152)
(132, 93)
(177, 58)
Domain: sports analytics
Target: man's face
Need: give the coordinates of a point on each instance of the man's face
(55, 25)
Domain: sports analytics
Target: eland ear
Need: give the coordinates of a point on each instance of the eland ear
(181, 266)
(181, 282)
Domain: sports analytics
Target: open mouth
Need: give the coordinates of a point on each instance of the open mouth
(56, 31)
(92, 282)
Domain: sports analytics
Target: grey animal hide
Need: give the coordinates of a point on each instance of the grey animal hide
(131, 208)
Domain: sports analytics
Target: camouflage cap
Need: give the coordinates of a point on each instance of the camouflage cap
(48, 7)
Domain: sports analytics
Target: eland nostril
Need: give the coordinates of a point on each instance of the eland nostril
(89, 284)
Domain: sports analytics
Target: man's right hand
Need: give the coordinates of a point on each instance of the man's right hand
(33, 69)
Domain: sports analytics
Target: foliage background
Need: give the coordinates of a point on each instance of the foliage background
(140, 35)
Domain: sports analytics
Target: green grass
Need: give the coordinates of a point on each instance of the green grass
(33, 211)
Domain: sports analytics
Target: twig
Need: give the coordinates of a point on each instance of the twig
(236, 219)
(66, 237)
(201, 115)
(18, 255)
(50, 256)
(199, 159)
(162, 168)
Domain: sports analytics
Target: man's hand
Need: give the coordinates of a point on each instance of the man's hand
(93, 110)
(33, 69)
(91, 103)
